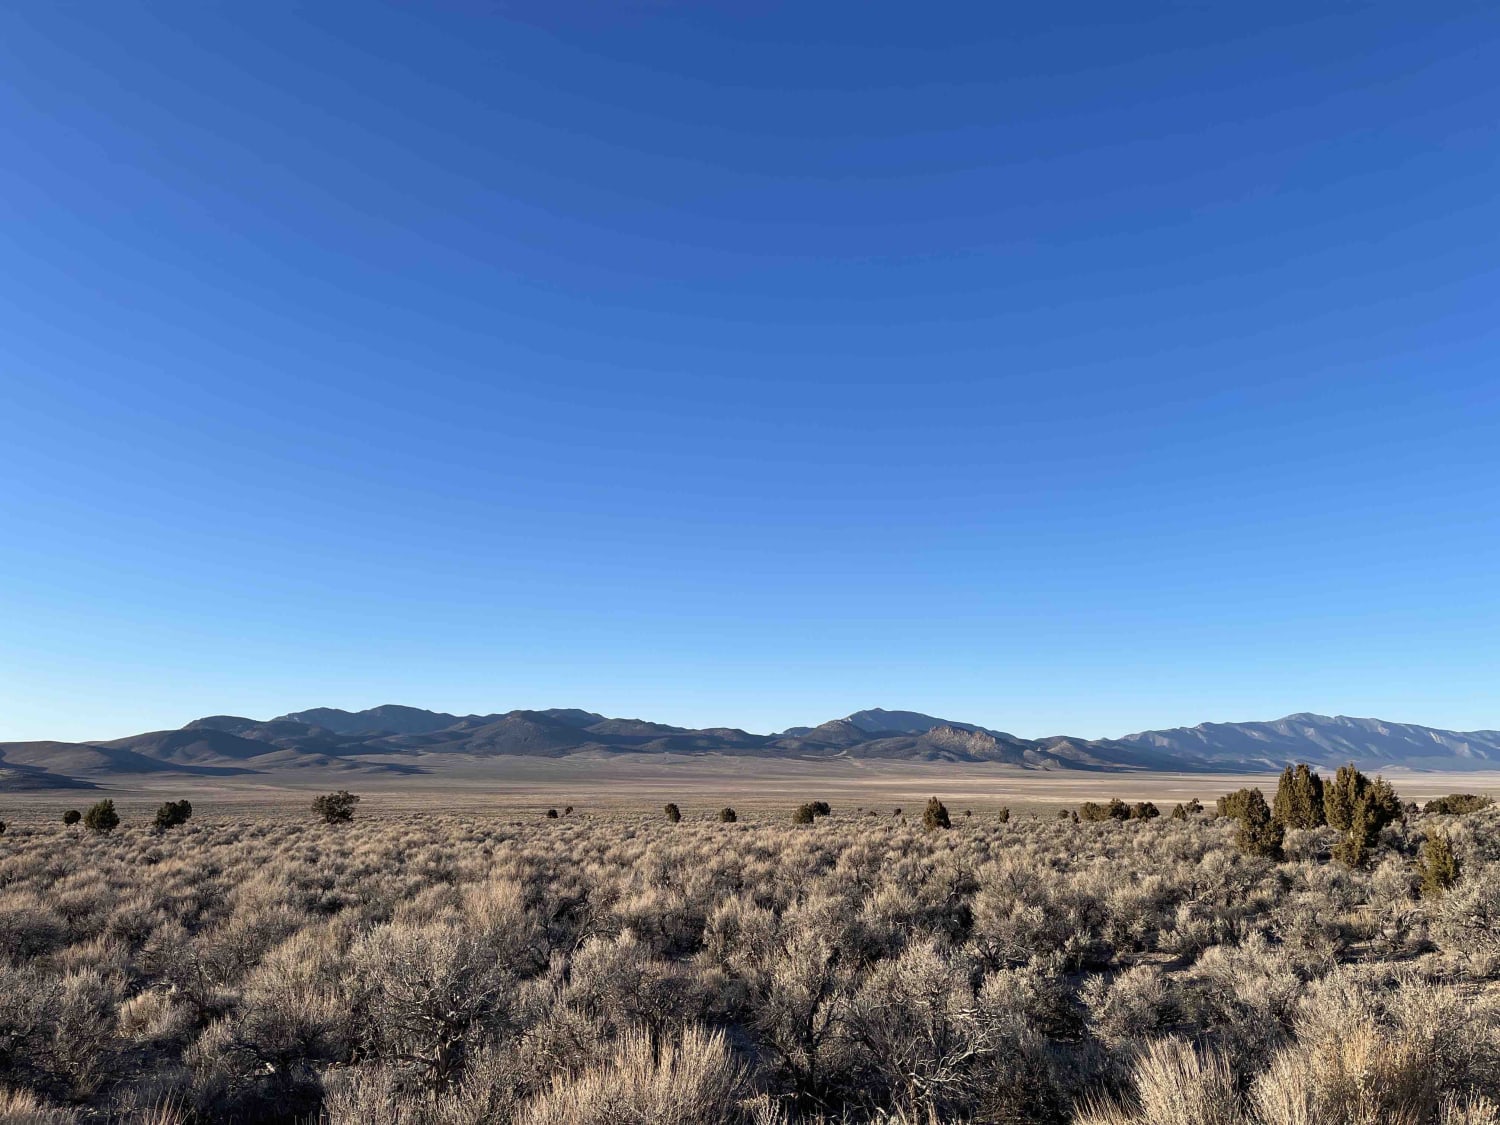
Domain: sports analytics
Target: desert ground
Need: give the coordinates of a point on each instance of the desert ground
(699, 785)
(456, 955)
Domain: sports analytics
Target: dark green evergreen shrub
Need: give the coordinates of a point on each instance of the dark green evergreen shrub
(1299, 798)
(172, 814)
(1350, 788)
(1359, 808)
(102, 817)
(935, 815)
(72, 817)
(674, 814)
(1115, 810)
(336, 808)
(1144, 810)
(803, 814)
(1233, 805)
(727, 815)
(1258, 833)
(1437, 865)
(1458, 804)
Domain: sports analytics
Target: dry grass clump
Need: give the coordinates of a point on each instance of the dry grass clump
(430, 970)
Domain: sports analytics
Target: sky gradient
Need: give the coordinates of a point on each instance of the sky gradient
(1060, 368)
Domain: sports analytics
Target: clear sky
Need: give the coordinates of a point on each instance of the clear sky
(1056, 367)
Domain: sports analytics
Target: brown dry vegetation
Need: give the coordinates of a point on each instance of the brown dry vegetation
(451, 968)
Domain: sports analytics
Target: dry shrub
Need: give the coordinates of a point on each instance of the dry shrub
(431, 994)
(916, 1018)
(154, 1018)
(1361, 1058)
(56, 1033)
(1466, 919)
(1173, 1085)
(29, 926)
(432, 969)
(1130, 1008)
(648, 1082)
(1471, 1110)
(22, 1107)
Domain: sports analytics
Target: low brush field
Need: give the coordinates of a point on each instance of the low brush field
(611, 966)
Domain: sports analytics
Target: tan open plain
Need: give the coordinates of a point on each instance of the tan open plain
(701, 784)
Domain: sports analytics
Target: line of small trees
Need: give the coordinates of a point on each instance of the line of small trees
(1356, 806)
(103, 818)
(726, 815)
(1116, 809)
(934, 816)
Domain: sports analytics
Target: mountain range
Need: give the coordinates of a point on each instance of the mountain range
(395, 741)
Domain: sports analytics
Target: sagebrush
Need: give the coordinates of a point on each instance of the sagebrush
(591, 969)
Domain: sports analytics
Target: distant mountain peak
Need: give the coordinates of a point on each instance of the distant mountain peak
(392, 718)
(877, 720)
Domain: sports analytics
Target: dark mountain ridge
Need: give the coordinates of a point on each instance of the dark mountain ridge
(398, 740)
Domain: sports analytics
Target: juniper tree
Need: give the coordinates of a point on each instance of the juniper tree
(674, 814)
(173, 813)
(1115, 810)
(935, 815)
(72, 817)
(1341, 795)
(102, 817)
(1437, 865)
(1359, 808)
(728, 815)
(336, 808)
(1259, 833)
(1299, 798)
(1233, 805)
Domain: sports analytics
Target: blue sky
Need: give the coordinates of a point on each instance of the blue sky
(1079, 368)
